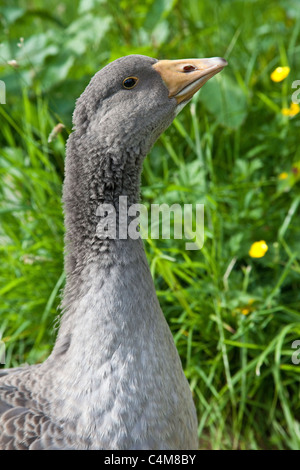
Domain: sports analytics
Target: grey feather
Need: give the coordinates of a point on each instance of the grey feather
(114, 379)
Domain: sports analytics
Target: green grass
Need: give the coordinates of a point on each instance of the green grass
(226, 150)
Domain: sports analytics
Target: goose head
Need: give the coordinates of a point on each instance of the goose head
(132, 100)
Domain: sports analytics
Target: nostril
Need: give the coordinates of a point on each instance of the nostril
(189, 68)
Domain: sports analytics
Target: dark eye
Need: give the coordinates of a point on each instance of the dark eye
(189, 68)
(130, 82)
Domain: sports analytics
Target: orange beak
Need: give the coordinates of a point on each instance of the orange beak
(185, 77)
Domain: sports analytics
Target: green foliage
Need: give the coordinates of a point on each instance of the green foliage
(234, 317)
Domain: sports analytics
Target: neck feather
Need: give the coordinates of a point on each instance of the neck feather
(96, 177)
(114, 367)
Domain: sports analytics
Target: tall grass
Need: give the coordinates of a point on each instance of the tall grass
(234, 318)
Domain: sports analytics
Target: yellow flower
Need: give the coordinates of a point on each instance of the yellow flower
(283, 176)
(280, 74)
(245, 311)
(258, 249)
(292, 110)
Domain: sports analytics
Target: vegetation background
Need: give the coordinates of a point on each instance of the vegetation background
(234, 317)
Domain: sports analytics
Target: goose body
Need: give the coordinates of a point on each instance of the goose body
(114, 379)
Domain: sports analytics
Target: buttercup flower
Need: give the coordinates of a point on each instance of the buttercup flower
(292, 110)
(280, 73)
(258, 249)
(247, 308)
(283, 176)
(245, 311)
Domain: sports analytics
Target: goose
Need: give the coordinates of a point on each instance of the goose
(114, 379)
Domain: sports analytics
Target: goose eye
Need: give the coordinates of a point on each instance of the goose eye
(189, 68)
(130, 82)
